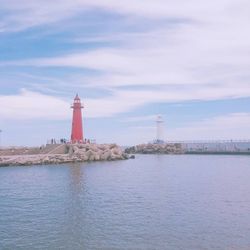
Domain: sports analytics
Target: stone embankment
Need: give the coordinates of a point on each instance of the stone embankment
(74, 153)
(150, 148)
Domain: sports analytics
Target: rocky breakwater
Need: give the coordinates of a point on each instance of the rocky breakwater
(75, 153)
(97, 152)
(150, 148)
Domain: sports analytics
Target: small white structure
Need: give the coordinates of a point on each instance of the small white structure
(159, 129)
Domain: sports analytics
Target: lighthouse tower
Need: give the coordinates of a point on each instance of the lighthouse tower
(159, 130)
(77, 130)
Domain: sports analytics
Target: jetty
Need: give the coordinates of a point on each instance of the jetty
(192, 147)
(61, 153)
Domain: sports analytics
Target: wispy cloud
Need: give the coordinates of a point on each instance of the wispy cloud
(230, 126)
(139, 118)
(32, 105)
(31, 13)
(203, 60)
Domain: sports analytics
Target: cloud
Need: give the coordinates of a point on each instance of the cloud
(206, 59)
(24, 14)
(139, 118)
(20, 14)
(202, 57)
(33, 105)
(230, 126)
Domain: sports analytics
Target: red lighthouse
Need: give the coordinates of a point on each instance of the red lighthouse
(77, 131)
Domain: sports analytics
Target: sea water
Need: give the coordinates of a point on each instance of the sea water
(152, 202)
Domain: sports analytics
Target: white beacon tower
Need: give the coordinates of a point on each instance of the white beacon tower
(159, 129)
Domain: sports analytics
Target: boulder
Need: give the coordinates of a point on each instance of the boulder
(116, 151)
(97, 157)
(167, 148)
(105, 155)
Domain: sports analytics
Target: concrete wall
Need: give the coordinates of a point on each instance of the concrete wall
(217, 146)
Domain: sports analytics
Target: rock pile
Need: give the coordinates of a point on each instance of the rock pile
(97, 152)
(150, 148)
(75, 153)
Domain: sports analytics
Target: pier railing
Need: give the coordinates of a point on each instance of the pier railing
(65, 141)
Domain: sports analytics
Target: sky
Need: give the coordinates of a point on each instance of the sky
(129, 61)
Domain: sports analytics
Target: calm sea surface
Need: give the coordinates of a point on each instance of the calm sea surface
(152, 202)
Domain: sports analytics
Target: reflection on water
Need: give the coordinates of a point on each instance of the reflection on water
(76, 178)
(153, 202)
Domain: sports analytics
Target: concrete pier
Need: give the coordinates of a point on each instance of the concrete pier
(193, 147)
